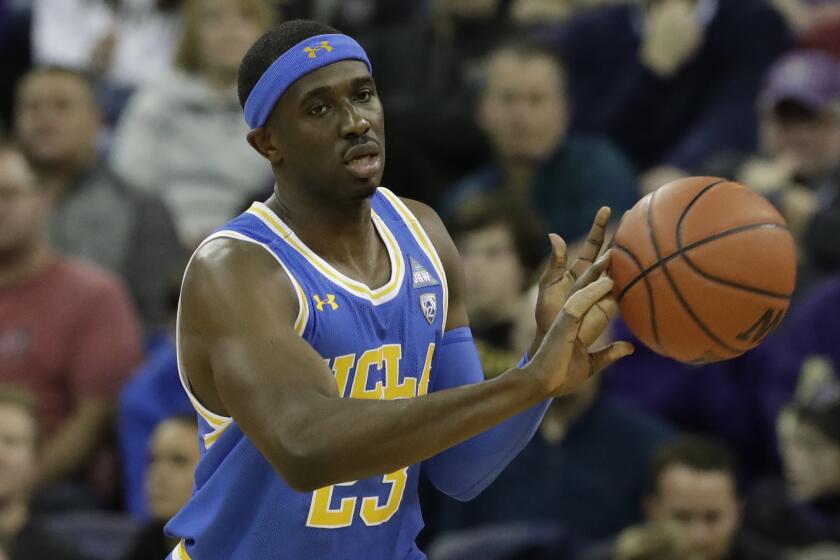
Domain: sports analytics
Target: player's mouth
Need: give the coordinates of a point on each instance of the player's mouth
(363, 161)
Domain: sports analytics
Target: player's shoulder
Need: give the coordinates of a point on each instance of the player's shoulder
(427, 216)
(435, 228)
(222, 265)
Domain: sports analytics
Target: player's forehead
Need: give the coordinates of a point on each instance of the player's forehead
(341, 75)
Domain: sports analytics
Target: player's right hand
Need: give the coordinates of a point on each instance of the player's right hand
(563, 361)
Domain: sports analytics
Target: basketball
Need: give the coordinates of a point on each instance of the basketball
(704, 269)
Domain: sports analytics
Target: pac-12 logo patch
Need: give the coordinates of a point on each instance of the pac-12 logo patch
(428, 303)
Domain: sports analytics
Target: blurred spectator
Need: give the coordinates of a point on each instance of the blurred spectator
(736, 401)
(153, 394)
(169, 483)
(799, 163)
(360, 18)
(500, 251)
(67, 329)
(653, 541)
(806, 16)
(812, 330)
(551, 12)
(561, 180)
(585, 470)
(804, 510)
(427, 72)
(19, 454)
(96, 215)
(128, 42)
(694, 486)
(671, 81)
(183, 137)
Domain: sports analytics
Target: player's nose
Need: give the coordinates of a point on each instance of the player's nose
(353, 123)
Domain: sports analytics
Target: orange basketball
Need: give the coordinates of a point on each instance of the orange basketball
(704, 269)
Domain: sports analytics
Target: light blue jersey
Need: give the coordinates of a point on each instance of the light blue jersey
(379, 344)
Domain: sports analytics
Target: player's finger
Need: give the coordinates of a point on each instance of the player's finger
(584, 299)
(609, 355)
(553, 272)
(596, 320)
(594, 242)
(593, 272)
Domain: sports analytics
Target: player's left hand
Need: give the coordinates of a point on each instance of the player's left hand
(558, 281)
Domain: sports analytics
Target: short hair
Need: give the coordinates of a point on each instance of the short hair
(24, 400)
(695, 452)
(270, 46)
(188, 52)
(479, 212)
(82, 76)
(528, 47)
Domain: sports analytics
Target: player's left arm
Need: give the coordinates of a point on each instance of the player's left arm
(465, 470)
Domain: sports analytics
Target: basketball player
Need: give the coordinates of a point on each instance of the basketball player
(335, 287)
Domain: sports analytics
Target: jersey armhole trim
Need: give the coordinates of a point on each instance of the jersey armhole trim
(422, 239)
(217, 422)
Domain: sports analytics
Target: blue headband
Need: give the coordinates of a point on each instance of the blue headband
(305, 57)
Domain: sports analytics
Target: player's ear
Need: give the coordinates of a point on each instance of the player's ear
(262, 141)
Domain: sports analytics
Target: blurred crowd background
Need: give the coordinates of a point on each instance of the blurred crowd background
(122, 145)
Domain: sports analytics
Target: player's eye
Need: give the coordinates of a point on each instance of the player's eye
(319, 110)
(365, 95)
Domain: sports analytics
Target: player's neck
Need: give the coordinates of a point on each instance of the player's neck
(340, 234)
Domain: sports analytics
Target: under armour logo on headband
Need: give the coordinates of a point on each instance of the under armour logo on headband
(313, 51)
(292, 65)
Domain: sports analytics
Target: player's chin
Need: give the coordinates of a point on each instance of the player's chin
(365, 188)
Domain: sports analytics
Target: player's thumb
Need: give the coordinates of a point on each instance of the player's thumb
(607, 356)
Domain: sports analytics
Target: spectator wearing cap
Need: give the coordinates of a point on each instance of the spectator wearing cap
(558, 179)
(182, 137)
(95, 216)
(803, 510)
(68, 332)
(798, 165)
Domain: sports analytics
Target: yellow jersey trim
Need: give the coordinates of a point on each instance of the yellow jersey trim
(180, 552)
(423, 241)
(217, 422)
(376, 296)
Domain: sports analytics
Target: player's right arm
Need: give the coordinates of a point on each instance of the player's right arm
(244, 360)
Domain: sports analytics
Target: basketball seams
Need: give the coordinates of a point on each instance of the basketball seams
(651, 301)
(670, 279)
(696, 245)
(710, 277)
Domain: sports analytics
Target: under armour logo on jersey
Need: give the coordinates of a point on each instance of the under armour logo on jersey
(313, 51)
(420, 277)
(319, 303)
(428, 303)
